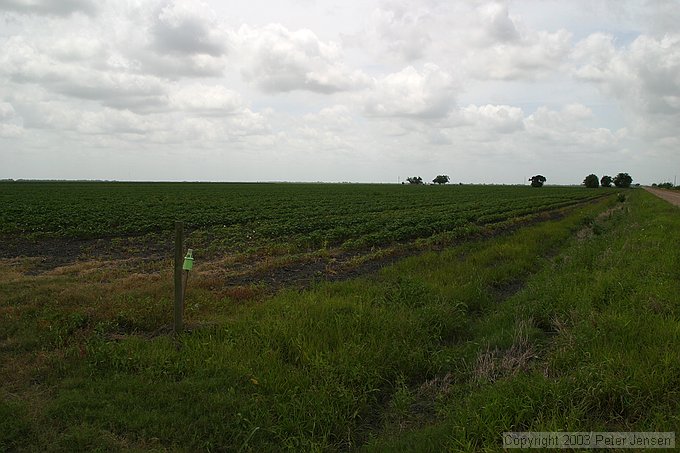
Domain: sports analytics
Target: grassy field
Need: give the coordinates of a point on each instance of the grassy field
(570, 323)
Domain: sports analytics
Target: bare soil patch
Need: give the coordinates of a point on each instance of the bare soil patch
(58, 252)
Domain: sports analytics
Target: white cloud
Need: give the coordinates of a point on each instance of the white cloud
(503, 130)
(79, 68)
(248, 123)
(496, 24)
(336, 117)
(567, 128)
(76, 48)
(531, 56)
(350, 88)
(10, 130)
(188, 27)
(332, 129)
(6, 111)
(24, 62)
(661, 16)
(121, 127)
(428, 93)
(10, 122)
(403, 27)
(215, 99)
(480, 39)
(279, 60)
(50, 7)
(499, 118)
(171, 39)
(216, 131)
(179, 66)
(483, 40)
(644, 77)
(112, 121)
(500, 130)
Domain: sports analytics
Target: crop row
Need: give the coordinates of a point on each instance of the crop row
(305, 215)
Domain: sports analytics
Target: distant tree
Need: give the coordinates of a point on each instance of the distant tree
(622, 180)
(665, 185)
(591, 181)
(537, 180)
(441, 179)
(415, 180)
(606, 181)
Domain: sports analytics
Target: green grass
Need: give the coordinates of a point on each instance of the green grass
(602, 319)
(570, 324)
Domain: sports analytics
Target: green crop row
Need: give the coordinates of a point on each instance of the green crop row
(305, 215)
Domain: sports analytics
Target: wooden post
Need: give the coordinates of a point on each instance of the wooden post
(179, 294)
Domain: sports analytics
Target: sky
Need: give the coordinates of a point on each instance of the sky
(348, 90)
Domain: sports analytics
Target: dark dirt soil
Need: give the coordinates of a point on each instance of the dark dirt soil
(57, 252)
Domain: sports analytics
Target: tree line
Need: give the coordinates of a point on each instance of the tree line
(665, 185)
(622, 181)
(440, 179)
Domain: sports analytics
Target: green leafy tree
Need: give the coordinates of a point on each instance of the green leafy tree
(537, 180)
(415, 180)
(441, 179)
(622, 180)
(591, 181)
(606, 181)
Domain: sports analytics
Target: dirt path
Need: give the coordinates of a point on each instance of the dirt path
(670, 196)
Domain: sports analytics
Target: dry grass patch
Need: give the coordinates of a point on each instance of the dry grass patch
(494, 364)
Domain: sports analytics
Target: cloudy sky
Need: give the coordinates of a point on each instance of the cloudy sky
(346, 90)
